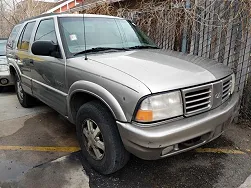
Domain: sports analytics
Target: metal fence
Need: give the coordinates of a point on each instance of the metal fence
(215, 29)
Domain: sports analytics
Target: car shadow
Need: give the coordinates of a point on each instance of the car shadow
(188, 169)
(185, 170)
(8, 89)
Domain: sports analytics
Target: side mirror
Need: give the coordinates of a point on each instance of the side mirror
(45, 48)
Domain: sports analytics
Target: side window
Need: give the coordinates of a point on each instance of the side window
(13, 36)
(24, 40)
(46, 31)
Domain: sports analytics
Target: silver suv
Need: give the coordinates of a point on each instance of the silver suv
(123, 93)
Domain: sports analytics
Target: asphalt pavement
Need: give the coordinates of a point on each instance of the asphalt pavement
(38, 148)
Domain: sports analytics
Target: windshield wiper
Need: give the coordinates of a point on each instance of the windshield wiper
(99, 49)
(144, 47)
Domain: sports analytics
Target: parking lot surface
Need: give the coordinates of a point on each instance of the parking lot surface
(38, 148)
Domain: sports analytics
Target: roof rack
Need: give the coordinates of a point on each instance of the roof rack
(41, 16)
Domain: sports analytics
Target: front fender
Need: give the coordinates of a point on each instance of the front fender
(99, 92)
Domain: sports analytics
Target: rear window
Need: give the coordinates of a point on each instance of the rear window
(13, 36)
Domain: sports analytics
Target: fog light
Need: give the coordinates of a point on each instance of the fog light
(4, 81)
(167, 150)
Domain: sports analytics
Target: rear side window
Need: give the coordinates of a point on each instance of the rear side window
(13, 36)
(46, 31)
(24, 40)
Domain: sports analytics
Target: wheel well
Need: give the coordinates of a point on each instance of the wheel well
(80, 98)
(12, 71)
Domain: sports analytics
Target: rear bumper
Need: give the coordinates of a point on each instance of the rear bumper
(8, 76)
(177, 136)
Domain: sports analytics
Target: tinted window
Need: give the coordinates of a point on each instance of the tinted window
(24, 43)
(3, 47)
(46, 31)
(13, 36)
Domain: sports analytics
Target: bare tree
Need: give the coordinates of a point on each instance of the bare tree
(13, 11)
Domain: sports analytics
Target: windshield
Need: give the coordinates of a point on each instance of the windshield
(101, 33)
(3, 47)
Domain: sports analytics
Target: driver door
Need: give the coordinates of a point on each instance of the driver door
(48, 74)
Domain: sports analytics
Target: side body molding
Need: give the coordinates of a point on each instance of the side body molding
(99, 92)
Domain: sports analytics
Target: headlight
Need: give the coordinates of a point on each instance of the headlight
(233, 83)
(4, 68)
(160, 107)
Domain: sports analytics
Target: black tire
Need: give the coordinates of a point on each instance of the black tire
(25, 100)
(115, 156)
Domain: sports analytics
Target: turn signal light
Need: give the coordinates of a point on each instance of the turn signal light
(144, 115)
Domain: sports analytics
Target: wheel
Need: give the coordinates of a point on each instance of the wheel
(99, 138)
(24, 99)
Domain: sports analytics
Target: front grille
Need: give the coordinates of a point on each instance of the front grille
(197, 99)
(202, 98)
(226, 88)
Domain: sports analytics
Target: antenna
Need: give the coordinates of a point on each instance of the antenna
(84, 31)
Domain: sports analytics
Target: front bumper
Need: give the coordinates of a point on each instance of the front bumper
(8, 76)
(177, 136)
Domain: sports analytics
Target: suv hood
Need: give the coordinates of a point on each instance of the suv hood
(164, 70)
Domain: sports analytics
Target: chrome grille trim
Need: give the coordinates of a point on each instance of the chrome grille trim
(198, 111)
(195, 95)
(198, 105)
(197, 99)
(226, 88)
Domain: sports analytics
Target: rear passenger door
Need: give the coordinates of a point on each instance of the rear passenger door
(48, 74)
(23, 57)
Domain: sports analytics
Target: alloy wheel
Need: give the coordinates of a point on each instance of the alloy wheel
(20, 90)
(94, 139)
